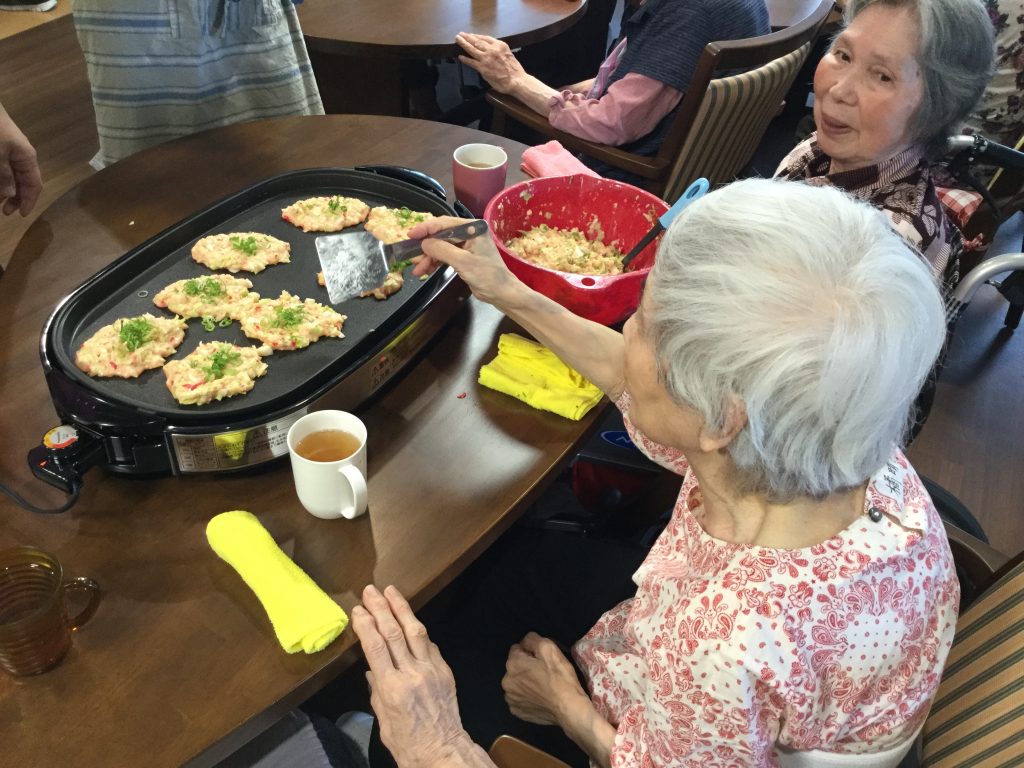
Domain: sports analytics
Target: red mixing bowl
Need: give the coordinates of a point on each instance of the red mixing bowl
(625, 214)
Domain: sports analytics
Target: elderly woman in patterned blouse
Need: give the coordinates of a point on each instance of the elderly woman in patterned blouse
(897, 81)
(799, 605)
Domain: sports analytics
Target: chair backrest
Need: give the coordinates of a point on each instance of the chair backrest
(723, 116)
(731, 121)
(510, 752)
(978, 716)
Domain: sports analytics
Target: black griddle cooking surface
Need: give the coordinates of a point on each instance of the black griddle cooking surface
(126, 289)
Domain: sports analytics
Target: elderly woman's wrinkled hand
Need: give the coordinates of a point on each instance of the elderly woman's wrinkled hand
(412, 688)
(20, 181)
(540, 684)
(493, 59)
(477, 261)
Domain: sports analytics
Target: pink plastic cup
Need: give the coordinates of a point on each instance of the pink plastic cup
(478, 174)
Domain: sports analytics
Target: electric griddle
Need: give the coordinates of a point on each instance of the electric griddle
(135, 427)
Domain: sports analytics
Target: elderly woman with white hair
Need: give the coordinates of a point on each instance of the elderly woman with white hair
(799, 605)
(897, 81)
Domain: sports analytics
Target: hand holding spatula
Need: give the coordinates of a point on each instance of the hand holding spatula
(354, 262)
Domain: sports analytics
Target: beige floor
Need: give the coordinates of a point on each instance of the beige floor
(13, 22)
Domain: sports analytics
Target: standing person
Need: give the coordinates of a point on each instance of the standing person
(162, 70)
(897, 81)
(20, 181)
(799, 605)
(628, 102)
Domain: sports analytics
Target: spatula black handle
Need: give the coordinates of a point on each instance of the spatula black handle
(644, 242)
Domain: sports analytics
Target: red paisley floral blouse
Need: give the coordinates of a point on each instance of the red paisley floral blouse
(729, 650)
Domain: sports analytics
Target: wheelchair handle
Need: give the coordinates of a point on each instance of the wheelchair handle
(979, 146)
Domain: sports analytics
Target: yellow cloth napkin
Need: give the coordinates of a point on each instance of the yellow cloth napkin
(534, 374)
(303, 615)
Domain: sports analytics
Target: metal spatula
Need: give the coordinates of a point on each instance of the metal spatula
(355, 262)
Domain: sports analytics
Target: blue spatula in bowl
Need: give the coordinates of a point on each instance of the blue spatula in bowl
(695, 190)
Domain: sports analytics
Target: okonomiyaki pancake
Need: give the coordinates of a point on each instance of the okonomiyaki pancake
(325, 214)
(216, 296)
(392, 225)
(289, 322)
(392, 284)
(212, 371)
(130, 345)
(241, 251)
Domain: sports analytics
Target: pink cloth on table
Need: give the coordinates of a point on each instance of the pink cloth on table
(552, 159)
(630, 109)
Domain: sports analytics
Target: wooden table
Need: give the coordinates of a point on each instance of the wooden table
(179, 664)
(357, 48)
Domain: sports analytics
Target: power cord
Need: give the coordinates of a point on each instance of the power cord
(76, 489)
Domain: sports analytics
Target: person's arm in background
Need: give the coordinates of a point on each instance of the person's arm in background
(496, 63)
(631, 108)
(582, 87)
(20, 181)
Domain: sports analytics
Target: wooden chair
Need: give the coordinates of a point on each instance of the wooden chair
(978, 716)
(721, 119)
(510, 752)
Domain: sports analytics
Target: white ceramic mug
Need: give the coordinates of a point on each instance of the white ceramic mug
(330, 489)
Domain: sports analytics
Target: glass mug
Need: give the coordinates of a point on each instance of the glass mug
(35, 631)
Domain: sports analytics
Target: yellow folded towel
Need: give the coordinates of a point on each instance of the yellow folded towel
(534, 374)
(303, 615)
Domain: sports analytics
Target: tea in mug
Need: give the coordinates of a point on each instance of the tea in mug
(479, 165)
(327, 445)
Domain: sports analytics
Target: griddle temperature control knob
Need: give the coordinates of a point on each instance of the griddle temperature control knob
(61, 441)
(60, 459)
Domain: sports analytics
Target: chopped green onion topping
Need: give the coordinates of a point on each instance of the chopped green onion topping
(335, 206)
(209, 323)
(135, 332)
(399, 266)
(285, 317)
(406, 217)
(247, 245)
(224, 322)
(208, 288)
(221, 362)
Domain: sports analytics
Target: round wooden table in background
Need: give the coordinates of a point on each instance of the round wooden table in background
(357, 49)
(425, 29)
(180, 664)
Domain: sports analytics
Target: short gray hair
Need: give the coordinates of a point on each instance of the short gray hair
(808, 307)
(956, 54)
